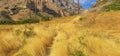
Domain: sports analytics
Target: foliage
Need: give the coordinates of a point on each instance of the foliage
(82, 19)
(17, 32)
(114, 6)
(45, 18)
(29, 32)
(99, 2)
(78, 53)
(24, 21)
(6, 22)
(72, 14)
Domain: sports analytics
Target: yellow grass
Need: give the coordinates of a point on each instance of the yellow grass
(97, 35)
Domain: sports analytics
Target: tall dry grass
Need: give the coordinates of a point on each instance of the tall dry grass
(64, 37)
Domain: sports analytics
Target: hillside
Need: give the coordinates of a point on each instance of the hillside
(106, 5)
(114, 6)
(16, 10)
(89, 34)
(26, 9)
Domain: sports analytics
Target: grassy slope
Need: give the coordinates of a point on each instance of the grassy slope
(94, 35)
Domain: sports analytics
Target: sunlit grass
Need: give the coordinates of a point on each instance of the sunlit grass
(68, 36)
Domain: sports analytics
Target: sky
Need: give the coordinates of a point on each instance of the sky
(86, 4)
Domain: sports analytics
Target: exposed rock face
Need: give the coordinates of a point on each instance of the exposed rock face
(55, 8)
(69, 6)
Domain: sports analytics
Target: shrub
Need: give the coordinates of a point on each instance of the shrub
(6, 22)
(82, 19)
(29, 33)
(24, 21)
(100, 2)
(82, 41)
(78, 53)
(45, 18)
(72, 14)
(114, 6)
(17, 32)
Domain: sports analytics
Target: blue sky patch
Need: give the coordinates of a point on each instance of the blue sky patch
(86, 4)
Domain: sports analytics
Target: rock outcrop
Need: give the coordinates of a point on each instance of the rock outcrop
(14, 9)
(55, 8)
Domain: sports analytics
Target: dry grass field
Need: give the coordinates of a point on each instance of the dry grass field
(89, 34)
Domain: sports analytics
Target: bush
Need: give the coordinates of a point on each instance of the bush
(18, 32)
(6, 22)
(82, 19)
(29, 32)
(24, 21)
(45, 18)
(72, 14)
(114, 6)
(78, 53)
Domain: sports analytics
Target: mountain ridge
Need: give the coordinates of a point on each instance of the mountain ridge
(16, 10)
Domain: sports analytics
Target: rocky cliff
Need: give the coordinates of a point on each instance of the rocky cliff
(21, 9)
(14, 9)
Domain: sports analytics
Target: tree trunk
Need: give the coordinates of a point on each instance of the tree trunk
(78, 6)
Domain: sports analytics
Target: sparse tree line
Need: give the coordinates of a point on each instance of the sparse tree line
(24, 21)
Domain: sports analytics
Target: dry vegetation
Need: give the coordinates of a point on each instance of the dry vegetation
(89, 34)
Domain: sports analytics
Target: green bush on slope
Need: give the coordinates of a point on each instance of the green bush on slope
(6, 22)
(45, 18)
(114, 6)
(24, 21)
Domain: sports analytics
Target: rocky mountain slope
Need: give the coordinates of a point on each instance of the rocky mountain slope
(21, 9)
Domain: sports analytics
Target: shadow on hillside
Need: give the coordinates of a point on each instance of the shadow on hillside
(32, 6)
